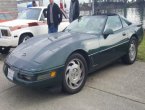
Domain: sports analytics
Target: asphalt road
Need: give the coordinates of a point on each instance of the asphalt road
(116, 87)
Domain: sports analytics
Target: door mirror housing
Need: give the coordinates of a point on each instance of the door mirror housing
(107, 32)
(43, 19)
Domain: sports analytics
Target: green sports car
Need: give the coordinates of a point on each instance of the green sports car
(66, 58)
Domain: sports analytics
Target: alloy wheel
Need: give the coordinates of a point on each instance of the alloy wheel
(132, 51)
(74, 74)
(25, 38)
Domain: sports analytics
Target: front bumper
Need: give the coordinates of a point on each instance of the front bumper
(48, 82)
(8, 41)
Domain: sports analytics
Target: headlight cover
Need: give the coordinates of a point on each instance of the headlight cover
(26, 77)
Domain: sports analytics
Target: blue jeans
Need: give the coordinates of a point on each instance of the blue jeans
(53, 28)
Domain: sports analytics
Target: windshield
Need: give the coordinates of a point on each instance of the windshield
(30, 14)
(87, 24)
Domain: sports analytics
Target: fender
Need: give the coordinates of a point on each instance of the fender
(19, 32)
(16, 34)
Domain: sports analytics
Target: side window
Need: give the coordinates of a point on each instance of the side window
(114, 23)
(44, 15)
(42, 18)
(125, 23)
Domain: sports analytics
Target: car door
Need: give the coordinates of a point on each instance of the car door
(110, 47)
(126, 31)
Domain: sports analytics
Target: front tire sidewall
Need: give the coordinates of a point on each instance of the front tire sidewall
(24, 36)
(65, 87)
(126, 59)
(4, 50)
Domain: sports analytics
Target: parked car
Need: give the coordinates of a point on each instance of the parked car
(66, 58)
(6, 16)
(31, 22)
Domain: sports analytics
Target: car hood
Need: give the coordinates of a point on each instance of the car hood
(17, 22)
(36, 50)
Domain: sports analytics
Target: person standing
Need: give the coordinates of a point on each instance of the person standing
(54, 17)
(74, 10)
(33, 4)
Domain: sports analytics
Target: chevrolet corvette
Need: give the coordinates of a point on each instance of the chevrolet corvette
(66, 58)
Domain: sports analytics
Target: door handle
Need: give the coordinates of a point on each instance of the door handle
(124, 34)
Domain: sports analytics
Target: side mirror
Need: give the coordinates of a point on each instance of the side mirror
(43, 19)
(107, 32)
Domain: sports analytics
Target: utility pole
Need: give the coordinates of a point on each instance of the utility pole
(93, 3)
(93, 6)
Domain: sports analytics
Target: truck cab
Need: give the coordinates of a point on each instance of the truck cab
(30, 23)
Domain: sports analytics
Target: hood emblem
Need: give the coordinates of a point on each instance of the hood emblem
(24, 54)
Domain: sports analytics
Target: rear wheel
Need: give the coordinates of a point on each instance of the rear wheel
(75, 74)
(24, 37)
(130, 57)
(4, 50)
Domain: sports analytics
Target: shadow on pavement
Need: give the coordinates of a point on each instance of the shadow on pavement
(2, 57)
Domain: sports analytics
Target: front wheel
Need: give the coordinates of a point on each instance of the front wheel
(75, 74)
(4, 50)
(24, 38)
(130, 57)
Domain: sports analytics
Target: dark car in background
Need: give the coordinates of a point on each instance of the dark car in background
(66, 58)
(6, 16)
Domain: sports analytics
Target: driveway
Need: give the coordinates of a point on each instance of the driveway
(116, 87)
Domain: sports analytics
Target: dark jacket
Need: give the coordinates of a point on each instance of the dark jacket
(74, 10)
(57, 15)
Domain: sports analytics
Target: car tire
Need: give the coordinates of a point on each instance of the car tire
(24, 37)
(4, 50)
(75, 74)
(130, 57)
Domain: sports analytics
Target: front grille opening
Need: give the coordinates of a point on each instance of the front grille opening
(5, 32)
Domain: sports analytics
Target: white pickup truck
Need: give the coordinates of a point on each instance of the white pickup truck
(31, 22)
